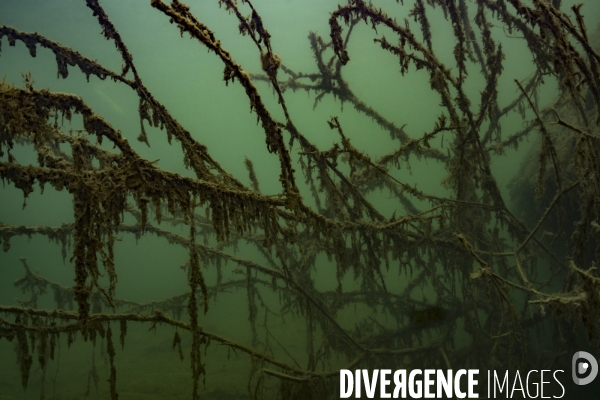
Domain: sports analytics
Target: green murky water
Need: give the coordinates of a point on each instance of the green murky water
(188, 80)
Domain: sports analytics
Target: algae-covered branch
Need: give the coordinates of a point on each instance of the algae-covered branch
(194, 193)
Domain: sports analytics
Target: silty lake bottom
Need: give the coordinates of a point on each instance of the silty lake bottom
(238, 199)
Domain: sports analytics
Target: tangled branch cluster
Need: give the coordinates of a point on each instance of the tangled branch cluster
(483, 262)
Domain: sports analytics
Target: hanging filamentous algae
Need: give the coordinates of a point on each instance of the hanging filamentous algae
(200, 201)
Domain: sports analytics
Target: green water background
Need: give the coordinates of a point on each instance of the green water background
(187, 79)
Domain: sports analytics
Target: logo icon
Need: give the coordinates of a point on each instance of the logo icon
(579, 367)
